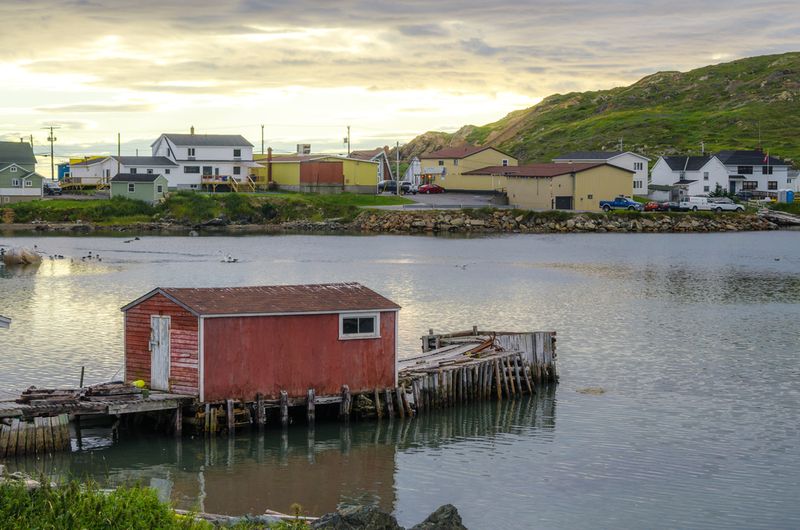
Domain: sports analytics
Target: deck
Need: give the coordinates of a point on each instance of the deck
(154, 402)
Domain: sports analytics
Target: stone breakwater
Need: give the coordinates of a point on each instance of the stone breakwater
(554, 222)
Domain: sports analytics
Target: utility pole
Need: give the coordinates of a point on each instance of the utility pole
(262, 138)
(52, 138)
(397, 166)
(348, 141)
(702, 147)
(620, 143)
(119, 151)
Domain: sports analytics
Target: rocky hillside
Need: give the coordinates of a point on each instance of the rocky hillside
(725, 105)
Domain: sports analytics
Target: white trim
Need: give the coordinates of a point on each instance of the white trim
(299, 313)
(396, 347)
(124, 346)
(13, 169)
(201, 361)
(376, 329)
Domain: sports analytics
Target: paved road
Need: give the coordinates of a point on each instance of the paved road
(449, 200)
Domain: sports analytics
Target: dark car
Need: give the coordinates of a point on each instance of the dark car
(431, 188)
(654, 206)
(51, 188)
(391, 187)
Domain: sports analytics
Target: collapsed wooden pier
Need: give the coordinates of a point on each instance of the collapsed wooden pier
(452, 369)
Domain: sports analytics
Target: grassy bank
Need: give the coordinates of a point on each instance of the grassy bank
(76, 505)
(194, 208)
(793, 208)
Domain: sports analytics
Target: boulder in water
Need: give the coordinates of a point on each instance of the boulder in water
(21, 256)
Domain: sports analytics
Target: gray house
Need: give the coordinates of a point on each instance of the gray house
(18, 178)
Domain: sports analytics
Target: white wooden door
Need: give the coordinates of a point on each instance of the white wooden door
(159, 348)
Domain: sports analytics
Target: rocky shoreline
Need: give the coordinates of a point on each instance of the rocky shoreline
(441, 222)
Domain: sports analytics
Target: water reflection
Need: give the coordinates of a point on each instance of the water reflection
(330, 466)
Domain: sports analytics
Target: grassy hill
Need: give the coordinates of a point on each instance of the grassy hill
(724, 105)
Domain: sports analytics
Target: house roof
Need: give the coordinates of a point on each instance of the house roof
(540, 170)
(135, 177)
(596, 155)
(296, 158)
(366, 154)
(274, 299)
(90, 161)
(459, 152)
(144, 160)
(660, 187)
(16, 152)
(748, 158)
(688, 163)
(208, 140)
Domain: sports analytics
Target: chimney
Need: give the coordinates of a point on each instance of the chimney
(191, 129)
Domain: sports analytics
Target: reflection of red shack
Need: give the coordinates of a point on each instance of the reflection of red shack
(222, 343)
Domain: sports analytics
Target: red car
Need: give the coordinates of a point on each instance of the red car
(653, 206)
(431, 188)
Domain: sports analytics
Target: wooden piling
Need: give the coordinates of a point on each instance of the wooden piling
(310, 405)
(284, 404)
(517, 377)
(178, 429)
(524, 369)
(207, 418)
(347, 400)
(261, 416)
(400, 408)
(230, 417)
(389, 407)
(415, 392)
(214, 417)
(377, 399)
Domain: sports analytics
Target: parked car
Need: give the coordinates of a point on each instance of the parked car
(620, 203)
(52, 188)
(431, 188)
(391, 187)
(654, 206)
(724, 204)
(694, 204)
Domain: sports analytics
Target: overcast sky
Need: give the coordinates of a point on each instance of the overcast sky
(307, 69)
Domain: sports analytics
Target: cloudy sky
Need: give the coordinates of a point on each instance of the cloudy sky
(307, 69)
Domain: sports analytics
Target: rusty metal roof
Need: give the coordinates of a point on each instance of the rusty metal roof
(273, 299)
(539, 170)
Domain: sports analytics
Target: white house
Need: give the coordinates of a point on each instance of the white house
(97, 170)
(694, 175)
(205, 158)
(756, 171)
(624, 159)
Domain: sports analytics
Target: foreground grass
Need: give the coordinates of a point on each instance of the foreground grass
(76, 505)
(193, 208)
(793, 207)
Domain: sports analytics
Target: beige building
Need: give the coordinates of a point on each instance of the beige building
(562, 186)
(453, 168)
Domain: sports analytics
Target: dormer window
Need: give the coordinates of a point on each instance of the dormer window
(191, 151)
(13, 169)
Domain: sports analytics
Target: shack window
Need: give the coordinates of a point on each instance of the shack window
(359, 326)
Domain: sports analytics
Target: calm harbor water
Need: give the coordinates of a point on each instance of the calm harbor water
(693, 339)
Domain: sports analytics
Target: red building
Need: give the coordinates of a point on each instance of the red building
(231, 343)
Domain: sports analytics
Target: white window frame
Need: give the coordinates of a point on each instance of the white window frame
(159, 189)
(190, 151)
(13, 169)
(504, 162)
(131, 187)
(376, 334)
(26, 183)
(15, 183)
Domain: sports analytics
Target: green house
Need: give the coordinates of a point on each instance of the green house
(148, 187)
(18, 178)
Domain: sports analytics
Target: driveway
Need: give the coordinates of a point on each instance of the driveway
(447, 200)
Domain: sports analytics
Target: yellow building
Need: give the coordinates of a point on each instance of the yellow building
(317, 173)
(453, 168)
(562, 186)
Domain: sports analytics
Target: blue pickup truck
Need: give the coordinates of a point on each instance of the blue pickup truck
(620, 203)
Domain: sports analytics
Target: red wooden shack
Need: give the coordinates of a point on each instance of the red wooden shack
(232, 343)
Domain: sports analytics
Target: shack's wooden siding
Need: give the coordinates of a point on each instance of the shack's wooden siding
(183, 337)
(247, 355)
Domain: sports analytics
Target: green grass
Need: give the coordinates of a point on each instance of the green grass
(70, 210)
(793, 207)
(77, 505)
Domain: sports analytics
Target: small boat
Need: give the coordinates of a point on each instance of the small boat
(5, 322)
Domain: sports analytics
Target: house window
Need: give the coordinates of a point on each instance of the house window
(705, 188)
(190, 151)
(237, 152)
(745, 170)
(133, 171)
(191, 169)
(237, 170)
(359, 326)
(590, 196)
(441, 162)
(166, 171)
(766, 170)
(149, 171)
(750, 185)
(131, 187)
(772, 185)
(6, 199)
(160, 188)
(27, 183)
(108, 173)
(705, 175)
(638, 166)
(13, 169)
(637, 183)
(15, 183)
(455, 162)
(505, 162)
